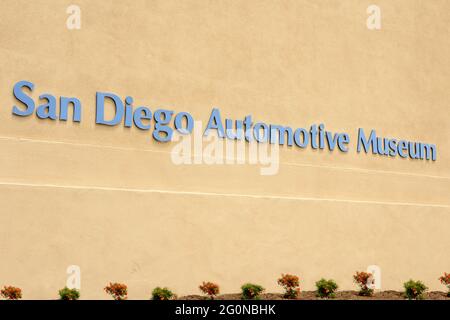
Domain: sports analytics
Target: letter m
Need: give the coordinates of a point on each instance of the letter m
(366, 144)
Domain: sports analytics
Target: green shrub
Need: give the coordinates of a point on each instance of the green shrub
(162, 294)
(326, 288)
(251, 291)
(69, 294)
(414, 289)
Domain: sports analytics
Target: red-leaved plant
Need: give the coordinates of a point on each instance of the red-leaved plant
(291, 285)
(363, 280)
(11, 293)
(445, 280)
(210, 289)
(118, 291)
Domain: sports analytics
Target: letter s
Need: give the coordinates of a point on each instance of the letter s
(22, 97)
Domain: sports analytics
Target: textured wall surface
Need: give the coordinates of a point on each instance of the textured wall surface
(110, 199)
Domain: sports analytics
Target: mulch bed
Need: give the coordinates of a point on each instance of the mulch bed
(340, 295)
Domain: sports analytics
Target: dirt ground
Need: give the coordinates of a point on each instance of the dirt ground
(340, 295)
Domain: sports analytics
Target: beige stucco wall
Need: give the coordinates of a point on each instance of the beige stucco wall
(111, 200)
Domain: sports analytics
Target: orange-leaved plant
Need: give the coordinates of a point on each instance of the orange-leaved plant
(11, 293)
(445, 280)
(363, 280)
(210, 289)
(291, 285)
(118, 291)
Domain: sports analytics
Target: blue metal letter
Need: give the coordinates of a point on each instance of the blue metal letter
(22, 97)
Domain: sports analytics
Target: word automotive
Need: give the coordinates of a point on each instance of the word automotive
(164, 122)
(317, 137)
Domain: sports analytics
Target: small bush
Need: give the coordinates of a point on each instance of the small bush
(414, 289)
(162, 294)
(326, 288)
(251, 291)
(445, 280)
(11, 293)
(363, 280)
(118, 291)
(210, 289)
(291, 285)
(69, 294)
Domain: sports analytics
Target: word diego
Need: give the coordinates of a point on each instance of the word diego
(166, 121)
(140, 117)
